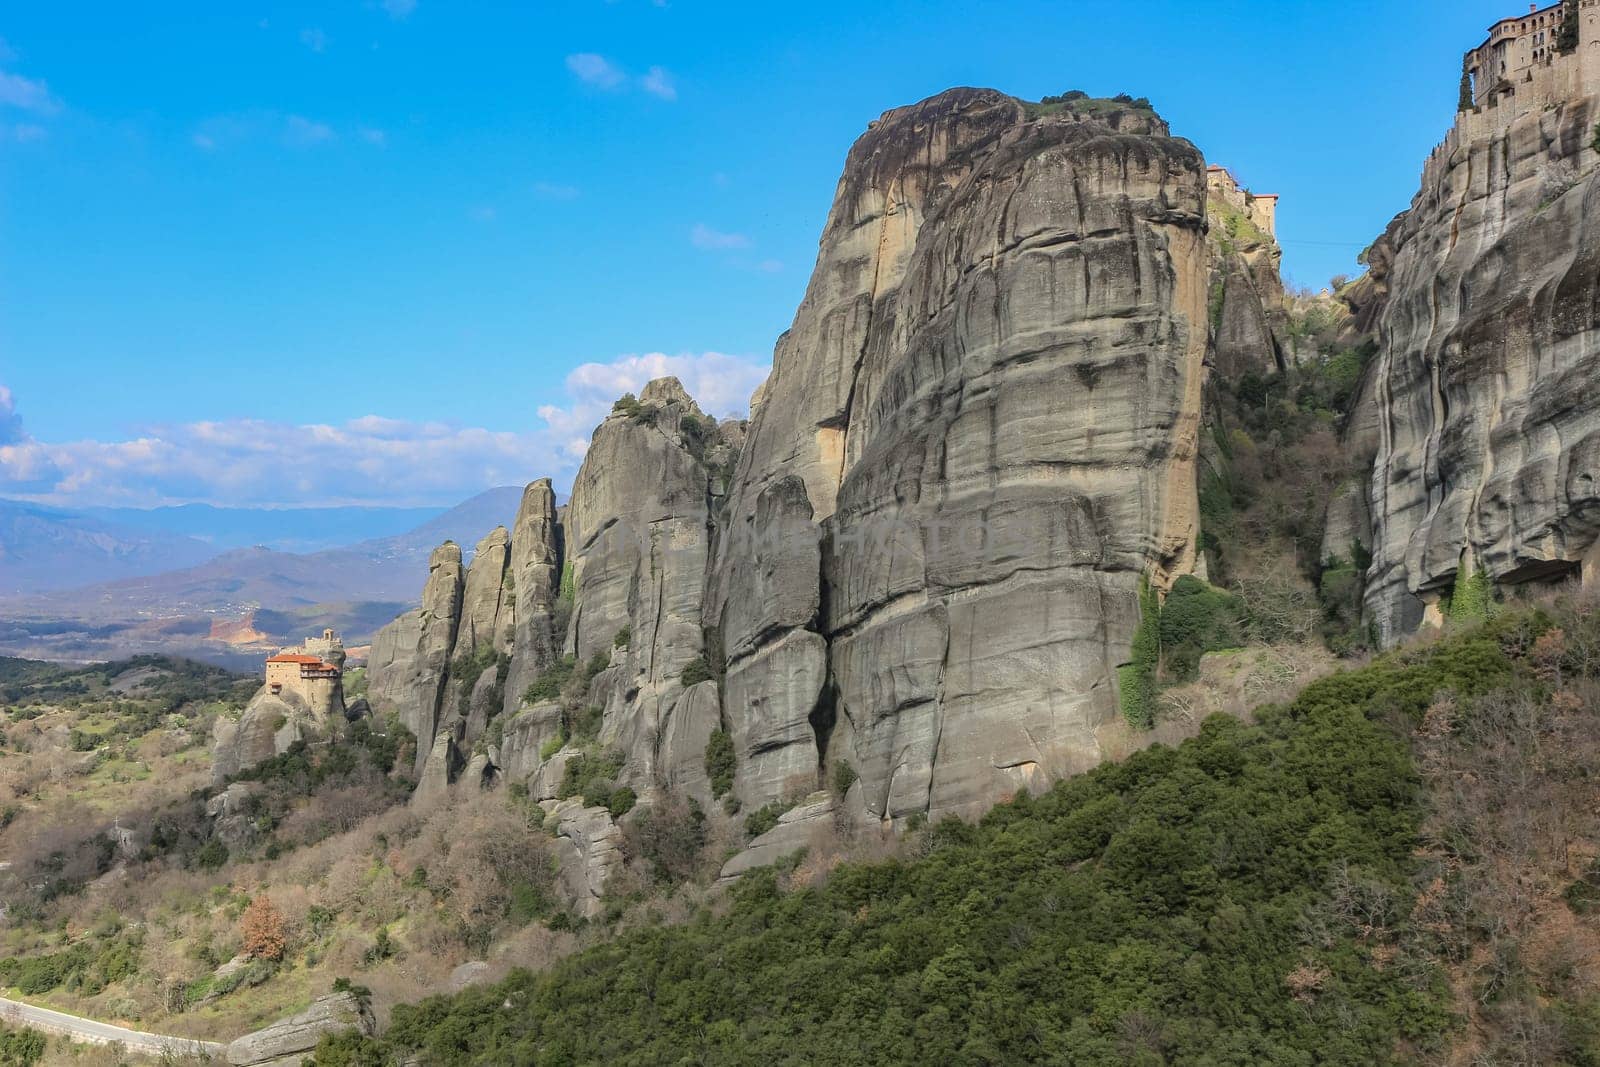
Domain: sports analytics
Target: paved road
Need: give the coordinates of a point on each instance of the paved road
(16, 1013)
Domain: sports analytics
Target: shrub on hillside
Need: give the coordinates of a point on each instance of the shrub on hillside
(1197, 618)
(1249, 893)
(721, 762)
(261, 930)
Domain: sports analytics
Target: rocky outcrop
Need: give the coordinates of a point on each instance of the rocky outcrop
(409, 664)
(269, 725)
(796, 830)
(288, 1041)
(639, 533)
(588, 851)
(990, 397)
(486, 612)
(1487, 419)
(1246, 301)
(922, 555)
(533, 580)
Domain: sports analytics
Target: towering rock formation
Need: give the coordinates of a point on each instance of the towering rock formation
(410, 659)
(978, 435)
(533, 582)
(486, 609)
(1248, 323)
(639, 530)
(922, 556)
(1484, 402)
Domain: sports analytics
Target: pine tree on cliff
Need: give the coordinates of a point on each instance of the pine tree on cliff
(1567, 35)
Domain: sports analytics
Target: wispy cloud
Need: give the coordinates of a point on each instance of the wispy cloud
(399, 9)
(594, 69)
(301, 132)
(371, 459)
(294, 131)
(658, 82)
(313, 38)
(555, 191)
(372, 135)
(26, 94)
(704, 237)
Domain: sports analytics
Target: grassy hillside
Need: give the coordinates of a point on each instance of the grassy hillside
(1307, 889)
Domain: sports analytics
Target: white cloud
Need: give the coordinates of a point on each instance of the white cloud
(313, 38)
(703, 236)
(596, 70)
(11, 431)
(371, 459)
(658, 82)
(555, 191)
(301, 132)
(296, 131)
(26, 94)
(399, 9)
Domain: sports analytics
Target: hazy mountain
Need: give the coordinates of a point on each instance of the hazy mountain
(284, 529)
(355, 588)
(45, 548)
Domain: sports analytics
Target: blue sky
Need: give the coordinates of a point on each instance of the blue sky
(399, 250)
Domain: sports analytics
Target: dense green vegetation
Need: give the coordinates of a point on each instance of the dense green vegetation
(165, 682)
(721, 762)
(1472, 597)
(20, 1048)
(1136, 679)
(1078, 102)
(1272, 463)
(1242, 898)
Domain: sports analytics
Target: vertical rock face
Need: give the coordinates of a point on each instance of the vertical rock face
(977, 436)
(410, 657)
(1021, 450)
(1484, 397)
(533, 580)
(922, 555)
(1246, 297)
(486, 612)
(640, 538)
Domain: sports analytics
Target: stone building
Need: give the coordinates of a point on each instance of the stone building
(311, 670)
(1260, 208)
(1525, 61)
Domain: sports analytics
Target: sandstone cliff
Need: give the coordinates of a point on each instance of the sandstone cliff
(917, 567)
(1486, 417)
(978, 435)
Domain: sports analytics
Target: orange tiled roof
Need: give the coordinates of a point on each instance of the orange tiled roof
(291, 657)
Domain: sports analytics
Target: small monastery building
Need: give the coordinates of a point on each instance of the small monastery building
(1260, 208)
(311, 670)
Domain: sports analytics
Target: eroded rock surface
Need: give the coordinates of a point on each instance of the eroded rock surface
(285, 1042)
(991, 397)
(409, 664)
(1484, 396)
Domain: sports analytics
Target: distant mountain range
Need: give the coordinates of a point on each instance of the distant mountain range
(46, 548)
(285, 529)
(145, 590)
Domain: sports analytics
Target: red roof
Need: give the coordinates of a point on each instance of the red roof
(291, 657)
